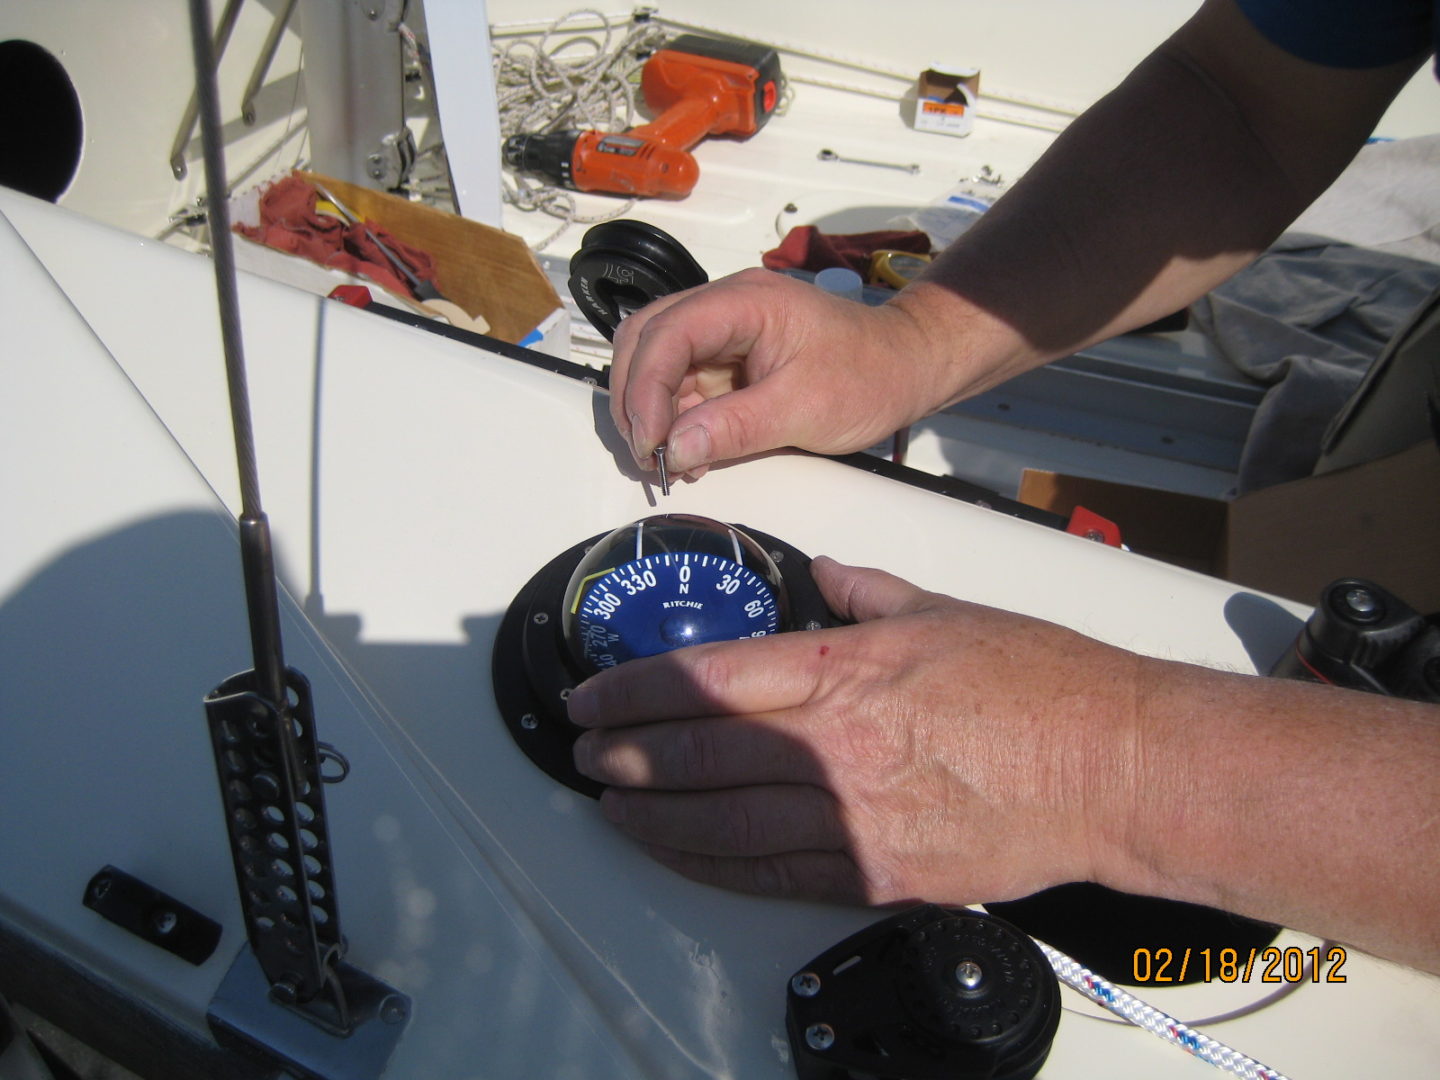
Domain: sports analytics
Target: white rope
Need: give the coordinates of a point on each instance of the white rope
(574, 78)
(1128, 1007)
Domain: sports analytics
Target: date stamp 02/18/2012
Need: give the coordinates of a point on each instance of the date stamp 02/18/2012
(1269, 965)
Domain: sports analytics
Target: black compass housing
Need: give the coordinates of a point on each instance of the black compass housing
(534, 667)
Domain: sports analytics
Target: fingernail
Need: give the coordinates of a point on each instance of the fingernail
(689, 448)
(636, 436)
(583, 707)
(612, 805)
(583, 754)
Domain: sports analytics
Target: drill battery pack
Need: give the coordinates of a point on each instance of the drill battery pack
(753, 63)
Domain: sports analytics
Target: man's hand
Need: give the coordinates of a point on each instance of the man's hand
(759, 360)
(920, 753)
(942, 751)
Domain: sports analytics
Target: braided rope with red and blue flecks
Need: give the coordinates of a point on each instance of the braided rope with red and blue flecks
(1128, 1007)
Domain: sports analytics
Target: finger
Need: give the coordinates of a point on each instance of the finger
(627, 336)
(730, 678)
(766, 819)
(704, 328)
(749, 420)
(802, 875)
(860, 594)
(716, 325)
(696, 755)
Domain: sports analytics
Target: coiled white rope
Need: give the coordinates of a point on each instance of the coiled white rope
(1105, 993)
(570, 79)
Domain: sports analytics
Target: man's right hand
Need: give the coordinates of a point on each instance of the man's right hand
(759, 360)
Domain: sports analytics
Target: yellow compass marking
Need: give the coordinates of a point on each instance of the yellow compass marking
(580, 592)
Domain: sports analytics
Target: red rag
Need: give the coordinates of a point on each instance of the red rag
(290, 223)
(806, 248)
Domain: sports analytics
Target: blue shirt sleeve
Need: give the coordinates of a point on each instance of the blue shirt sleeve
(1348, 33)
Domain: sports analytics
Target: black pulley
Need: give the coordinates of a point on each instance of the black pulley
(1364, 637)
(930, 994)
(622, 266)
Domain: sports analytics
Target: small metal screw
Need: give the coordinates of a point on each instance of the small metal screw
(1096, 535)
(393, 1010)
(791, 208)
(819, 1036)
(777, 556)
(100, 888)
(565, 693)
(528, 722)
(164, 921)
(806, 984)
(969, 974)
(813, 624)
(540, 618)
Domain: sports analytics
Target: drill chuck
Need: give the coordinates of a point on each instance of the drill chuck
(550, 156)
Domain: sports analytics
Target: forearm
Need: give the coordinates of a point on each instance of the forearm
(1310, 806)
(1166, 187)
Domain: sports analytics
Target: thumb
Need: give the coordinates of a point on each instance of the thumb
(730, 426)
(861, 594)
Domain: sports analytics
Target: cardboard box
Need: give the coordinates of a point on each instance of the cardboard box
(485, 271)
(944, 100)
(1379, 520)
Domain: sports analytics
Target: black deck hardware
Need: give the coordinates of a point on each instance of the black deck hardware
(156, 916)
(533, 671)
(932, 993)
(307, 1011)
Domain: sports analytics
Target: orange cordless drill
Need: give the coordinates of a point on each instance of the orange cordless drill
(696, 86)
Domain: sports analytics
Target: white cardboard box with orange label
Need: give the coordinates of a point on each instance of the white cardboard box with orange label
(945, 100)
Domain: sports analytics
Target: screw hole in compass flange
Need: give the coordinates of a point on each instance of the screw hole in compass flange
(533, 667)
